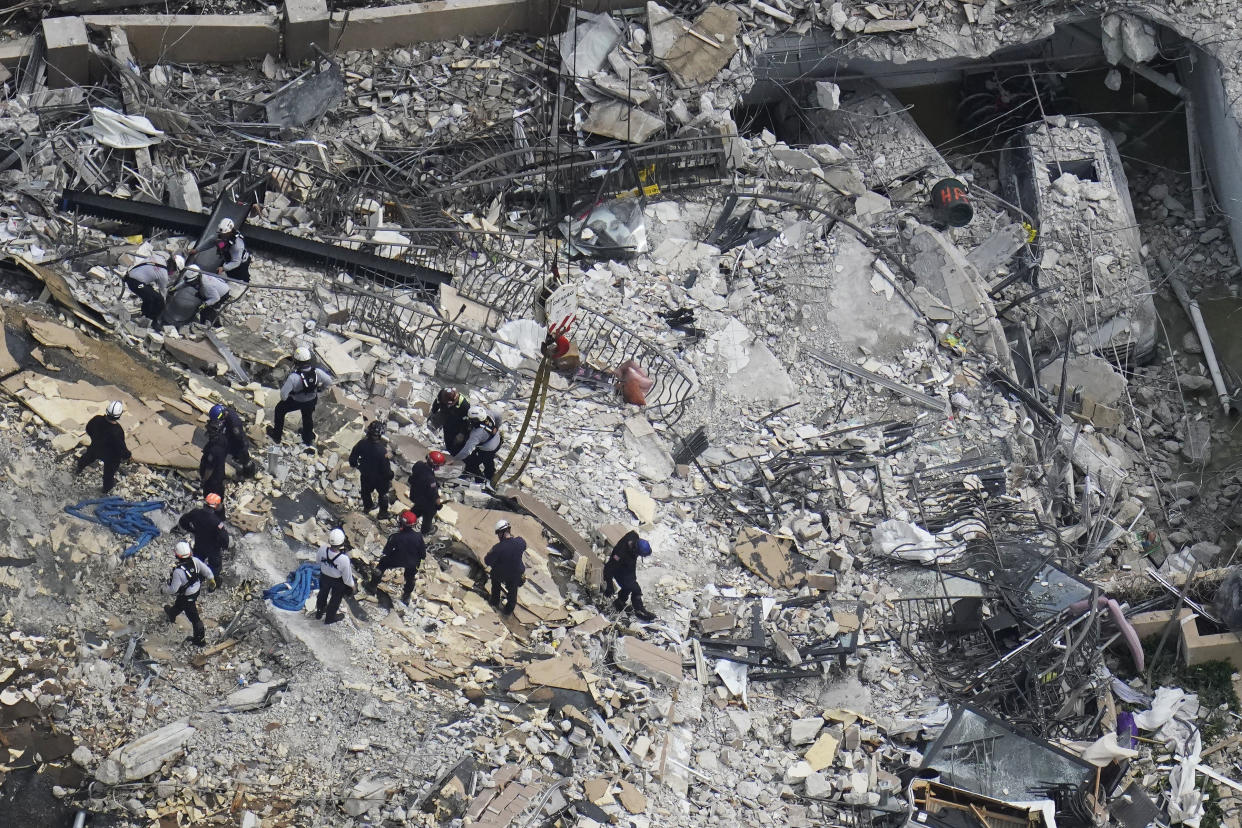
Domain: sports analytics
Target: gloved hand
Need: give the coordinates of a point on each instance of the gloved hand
(211, 585)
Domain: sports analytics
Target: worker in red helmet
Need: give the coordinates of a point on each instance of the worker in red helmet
(425, 488)
(404, 550)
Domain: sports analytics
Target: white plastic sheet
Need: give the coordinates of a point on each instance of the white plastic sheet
(524, 336)
(1105, 750)
(112, 129)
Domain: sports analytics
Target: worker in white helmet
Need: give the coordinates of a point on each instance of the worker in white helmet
(212, 290)
(186, 582)
(479, 450)
(230, 248)
(107, 444)
(300, 392)
(506, 566)
(336, 577)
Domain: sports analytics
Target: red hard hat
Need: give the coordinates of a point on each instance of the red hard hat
(407, 518)
(437, 458)
(559, 347)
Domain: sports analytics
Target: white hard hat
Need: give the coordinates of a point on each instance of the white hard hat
(302, 354)
(183, 550)
(179, 261)
(503, 525)
(227, 226)
(336, 537)
(115, 409)
(478, 412)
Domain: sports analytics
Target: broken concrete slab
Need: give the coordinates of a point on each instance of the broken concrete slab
(823, 753)
(652, 459)
(198, 355)
(252, 697)
(615, 119)
(770, 557)
(704, 48)
(144, 756)
(640, 504)
(644, 659)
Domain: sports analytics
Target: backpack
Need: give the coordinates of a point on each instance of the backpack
(192, 575)
(310, 379)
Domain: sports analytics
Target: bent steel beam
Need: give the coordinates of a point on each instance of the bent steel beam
(354, 262)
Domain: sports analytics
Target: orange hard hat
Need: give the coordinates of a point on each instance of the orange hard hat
(213, 500)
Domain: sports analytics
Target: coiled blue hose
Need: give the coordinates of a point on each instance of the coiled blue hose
(123, 517)
(292, 594)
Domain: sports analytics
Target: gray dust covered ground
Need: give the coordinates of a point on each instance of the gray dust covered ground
(913, 485)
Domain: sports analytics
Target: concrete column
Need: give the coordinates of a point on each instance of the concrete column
(68, 51)
(306, 22)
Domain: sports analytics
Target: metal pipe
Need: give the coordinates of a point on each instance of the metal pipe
(1196, 164)
(1191, 307)
(79, 821)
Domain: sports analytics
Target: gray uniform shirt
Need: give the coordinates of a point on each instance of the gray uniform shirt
(295, 388)
(178, 578)
(150, 274)
(213, 288)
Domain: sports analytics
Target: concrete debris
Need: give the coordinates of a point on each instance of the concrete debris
(874, 484)
(143, 757)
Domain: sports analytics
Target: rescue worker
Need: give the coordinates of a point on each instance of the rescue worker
(479, 450)
(211, 470)
(621, 567)
(300, 393)
(336, 577)
(107, 444)
(211, 538)
(211, 289)
(149, 282)
(185, 581)
(425, 488)
(370, 458)
(507, 569)
(228, 422)
(451, 412)
(230, 247)
(404, 550)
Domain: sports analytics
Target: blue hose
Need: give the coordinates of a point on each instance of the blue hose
(123, 517)
(292, 594)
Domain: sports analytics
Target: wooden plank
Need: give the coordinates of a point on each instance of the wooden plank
(201, 659)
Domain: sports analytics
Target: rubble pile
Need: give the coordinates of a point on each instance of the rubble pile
(925, 546)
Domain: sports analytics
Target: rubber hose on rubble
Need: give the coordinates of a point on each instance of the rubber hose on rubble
(292, 594)
(123, 517)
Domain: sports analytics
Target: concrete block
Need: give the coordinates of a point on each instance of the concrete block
(195, 38)
(144, 756)
(1199, 648)
(306, 22)
(387, 27)
(12, 53)
(648, 661)
(68, 52)
(1147, 624)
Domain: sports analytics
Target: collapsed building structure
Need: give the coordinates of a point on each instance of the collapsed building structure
(940, 503)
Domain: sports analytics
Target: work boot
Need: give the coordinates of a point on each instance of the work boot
(168, 613)
(332, 619)
(641, 612)
(405, 597)
(318, 614)
(196, 641)
(619, 604)
(274, 435)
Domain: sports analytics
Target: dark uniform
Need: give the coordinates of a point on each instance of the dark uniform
(108, 445)
(370, 458)
(211, 467)
(424, 493)
(234, 431)
(454, 419)
(405, 550)
(621, 568)
(505, 562)
(211, 537)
